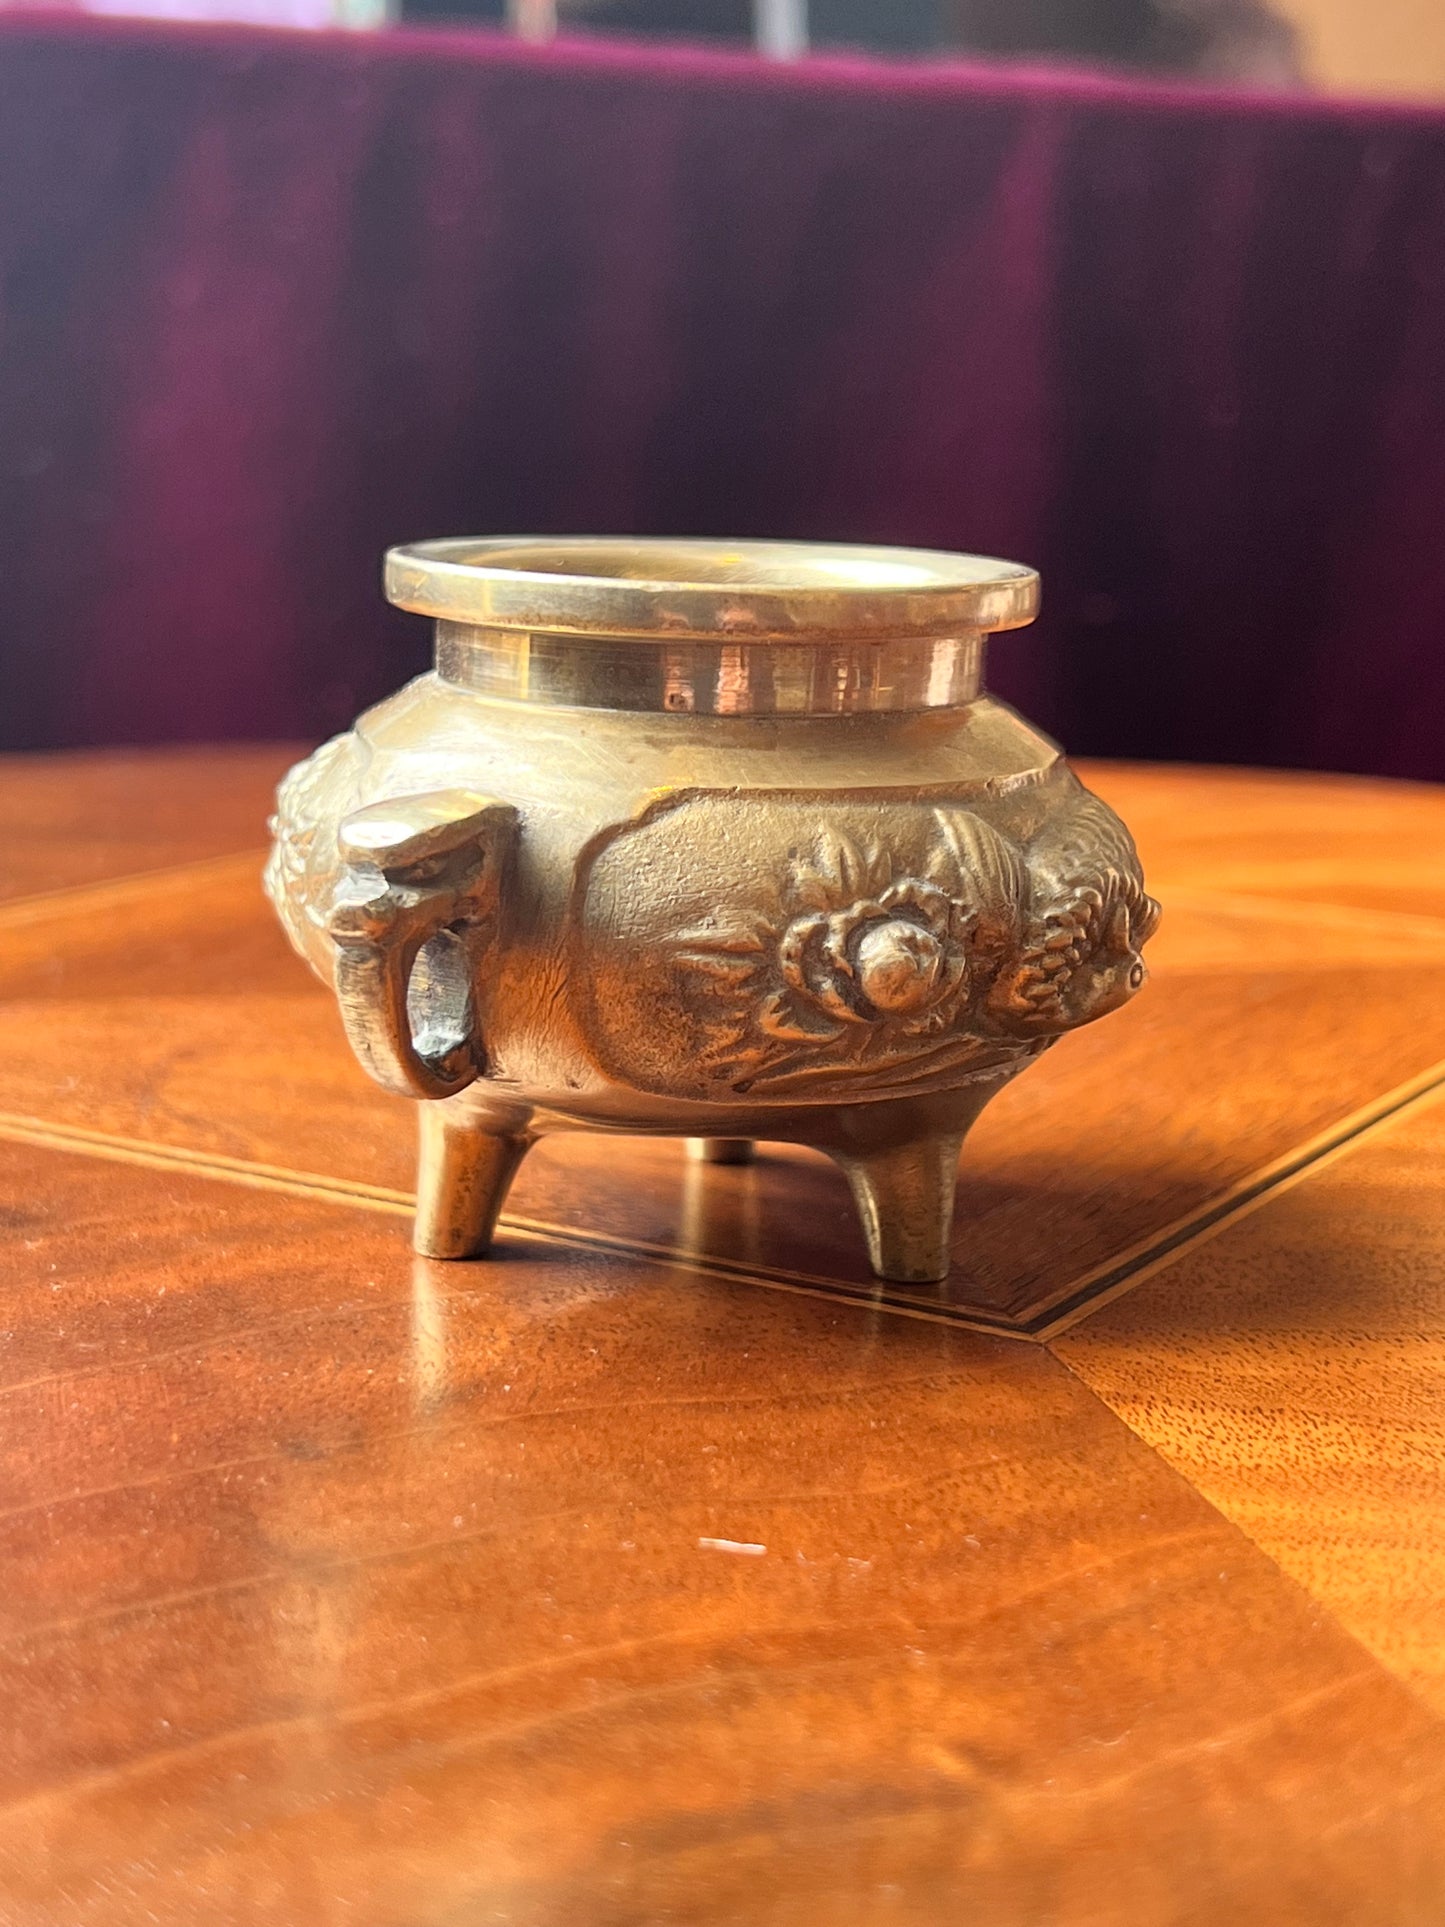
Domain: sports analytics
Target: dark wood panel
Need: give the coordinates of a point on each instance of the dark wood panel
(82, 818)
(181, 1018)
(342, 1586)
(1294, 1369)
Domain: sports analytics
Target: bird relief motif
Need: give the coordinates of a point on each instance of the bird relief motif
(893, 969)
(1090, 917)
(301, 870)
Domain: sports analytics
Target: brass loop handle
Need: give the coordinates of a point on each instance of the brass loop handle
(417, 869)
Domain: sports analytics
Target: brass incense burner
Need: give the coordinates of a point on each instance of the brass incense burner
(722, 840)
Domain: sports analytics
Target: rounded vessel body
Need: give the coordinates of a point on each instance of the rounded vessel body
(769, 864)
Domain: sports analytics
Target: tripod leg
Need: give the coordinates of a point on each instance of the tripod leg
(463, 1177)
(904, 1196)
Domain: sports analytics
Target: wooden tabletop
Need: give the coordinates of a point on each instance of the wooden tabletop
(667, 1570)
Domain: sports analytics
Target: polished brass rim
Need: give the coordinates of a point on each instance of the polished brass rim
(664, 589)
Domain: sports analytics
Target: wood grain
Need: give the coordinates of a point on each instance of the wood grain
(1294, 1369)
(574, 1592)
(1359, 842)
(88, 817)
(179, 1017)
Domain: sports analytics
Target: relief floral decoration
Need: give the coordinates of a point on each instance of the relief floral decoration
(864, 957)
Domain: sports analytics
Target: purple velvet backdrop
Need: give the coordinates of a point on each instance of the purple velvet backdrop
(271, 302)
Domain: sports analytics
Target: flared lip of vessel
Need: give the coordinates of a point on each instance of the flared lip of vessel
(664, 589)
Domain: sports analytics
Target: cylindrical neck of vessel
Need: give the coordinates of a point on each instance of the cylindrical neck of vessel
(709, 676)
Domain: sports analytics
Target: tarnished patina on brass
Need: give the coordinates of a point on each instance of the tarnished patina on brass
(722, 840)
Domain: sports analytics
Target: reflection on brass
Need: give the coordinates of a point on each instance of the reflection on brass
(721, 840)
(715, 678)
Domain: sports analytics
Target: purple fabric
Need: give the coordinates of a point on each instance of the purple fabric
(272, 301)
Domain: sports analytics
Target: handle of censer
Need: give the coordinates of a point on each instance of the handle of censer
(418, 901)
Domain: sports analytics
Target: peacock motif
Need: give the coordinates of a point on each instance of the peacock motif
(1089, 919)
(303, 866)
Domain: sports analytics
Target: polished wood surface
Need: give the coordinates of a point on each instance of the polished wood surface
(667, 1570)
(1294, 1369)
(93, 816)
